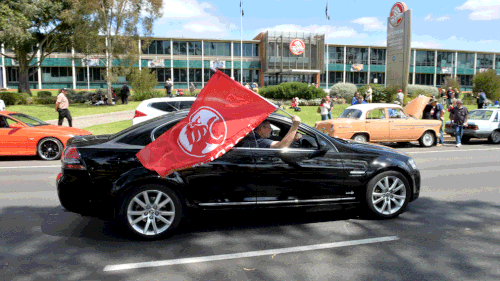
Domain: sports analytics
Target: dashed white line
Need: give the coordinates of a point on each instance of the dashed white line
(29, 167)
(129, 266)
(454, 150)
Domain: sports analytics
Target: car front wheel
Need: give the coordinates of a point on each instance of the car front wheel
(49, 149)
(387, 195)
(151, 211)
(427, 139)
(360, 138)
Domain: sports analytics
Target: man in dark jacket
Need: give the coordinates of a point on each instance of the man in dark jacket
(459, 117)
(125, 93)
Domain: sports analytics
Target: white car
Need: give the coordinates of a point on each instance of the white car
(152, 108)
(482, 123)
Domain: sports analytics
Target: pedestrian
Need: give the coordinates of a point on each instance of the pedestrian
(453, 105)
(192, 87)
(457, 93)
(369, 93)
(255, 88)
(459, 117)
(443, 96)
(168, 88)
(330, 103)
(323, 109)
(481, 99)
(125, 93)
(449, 96)
(2, 105)
(360, 100)
(247, 86)
(355, 98)
(400, 96)
(437, 113)
(62, 105)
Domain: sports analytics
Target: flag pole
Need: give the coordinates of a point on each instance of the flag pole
(241, 43)
(327, 47)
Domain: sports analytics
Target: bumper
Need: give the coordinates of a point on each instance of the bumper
(469, 133)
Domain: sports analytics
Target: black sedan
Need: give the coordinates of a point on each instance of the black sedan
(101, 176)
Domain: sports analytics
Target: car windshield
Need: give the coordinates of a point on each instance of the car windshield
(131, 128)
(351, 113)
(28, 120)
(480, 114)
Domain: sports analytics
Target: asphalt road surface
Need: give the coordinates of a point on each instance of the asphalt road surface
(452, 232)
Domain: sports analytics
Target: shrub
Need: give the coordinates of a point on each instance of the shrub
(343, 90)
(23, 98)
(289, 90)
(427, 90)
(148, 95)
(489, 82)
(449, 81)
(77, 97)
(8, 98)
(143, 81)
(391, 93)
(46, 100)
(378, 92)
(42, 94)
(118, 92)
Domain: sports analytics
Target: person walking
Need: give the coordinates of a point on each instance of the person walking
(192, 87)
(125, 93)
(443, 96)
(449, 96)
(437, 113)
(62, 105)
(324, 109)
(481, 99)
(168, 88)
(331, 104)
(369, 93)
(459, 117)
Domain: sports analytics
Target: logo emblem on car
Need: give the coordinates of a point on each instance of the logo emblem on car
(397, 13)
(205, 131)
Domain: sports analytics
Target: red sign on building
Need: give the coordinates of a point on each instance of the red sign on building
(297, 47)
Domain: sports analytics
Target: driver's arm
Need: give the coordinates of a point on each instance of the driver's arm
(290, 136)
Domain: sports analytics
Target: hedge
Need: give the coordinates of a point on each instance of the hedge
(289, 90)
(343, 90)
(42, 94)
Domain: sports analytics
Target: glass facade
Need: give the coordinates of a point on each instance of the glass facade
(465, 60)
(377, 56)
(425, 58)
(484, 61)
(445, 59)
(336, 55)
(357, 55)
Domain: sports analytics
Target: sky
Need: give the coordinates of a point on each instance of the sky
(437, 24)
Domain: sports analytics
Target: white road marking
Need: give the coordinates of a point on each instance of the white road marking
(29, 167)
(454, 150)
(129, 266)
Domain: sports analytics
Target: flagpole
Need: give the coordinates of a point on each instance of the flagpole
(241, 43)
(327, 48)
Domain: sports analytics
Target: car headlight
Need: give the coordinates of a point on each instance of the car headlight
(412, 163)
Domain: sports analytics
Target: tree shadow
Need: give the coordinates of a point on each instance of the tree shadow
(438, 241)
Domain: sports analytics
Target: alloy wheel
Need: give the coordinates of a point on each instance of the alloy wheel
(151, 212)
(427, 139)
(49, 149)
(495, 137)
(389, 195)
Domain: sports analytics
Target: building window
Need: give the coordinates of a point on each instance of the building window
(96, 74)
(357, 55)
(152, 48)
(424, 79)
(180, 75)
(195, 75)
(445, 59)
(440, 79)
(195, 48)
(336, 55)
(166, 47)
(465, 60)
(380, 76)
(484, 61)
(425, 58)
(465, 80)
(412, 58)
(180, 48)
(356, 77)
(377, 56)
(249, 50)
(497, 61)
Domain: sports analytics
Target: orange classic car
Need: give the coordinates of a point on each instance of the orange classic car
(21, 134)
(383, 122)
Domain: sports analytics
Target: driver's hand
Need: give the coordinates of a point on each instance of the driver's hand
(296, 120)
(297, 137)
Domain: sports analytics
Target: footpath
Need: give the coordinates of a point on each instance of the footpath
(98, 119)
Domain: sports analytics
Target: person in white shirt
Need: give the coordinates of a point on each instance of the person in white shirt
(325, 108)
(400, 96)
(369, 93)
(2, 105)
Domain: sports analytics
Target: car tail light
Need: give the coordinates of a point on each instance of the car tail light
(71, 159)
(139, 114)
(472, 127)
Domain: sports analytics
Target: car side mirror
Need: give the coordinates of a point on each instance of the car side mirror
(323, 149)
(16, 126)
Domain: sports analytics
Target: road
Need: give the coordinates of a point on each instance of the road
(452, 232)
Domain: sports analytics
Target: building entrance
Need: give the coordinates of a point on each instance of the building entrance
(275, 79)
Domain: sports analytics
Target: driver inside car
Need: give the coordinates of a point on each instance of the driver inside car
(264, 130)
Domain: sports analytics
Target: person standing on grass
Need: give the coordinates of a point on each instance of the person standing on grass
(168, 88)
(62, 105)
(400, 96)
(125, 93)
(437, 113)
(369, 93)
(324, 109)
(481, 99)
(192, 87)
(330, 103)
(459, 117)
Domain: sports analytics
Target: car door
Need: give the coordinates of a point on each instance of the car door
(13, 141)
(400, 127)
(377, 124)
(299, 175)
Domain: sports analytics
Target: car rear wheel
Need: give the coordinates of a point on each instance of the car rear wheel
(360, 137)
(387, 195)
(465, 140)
(49, 149)
(152, 211)
(427, 139)
(494, 137)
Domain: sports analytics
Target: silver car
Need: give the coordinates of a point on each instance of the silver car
(482, 123)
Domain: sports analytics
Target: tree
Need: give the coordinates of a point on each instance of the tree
(449, 81)
(29, 27)
(118, 25)
(489, 82)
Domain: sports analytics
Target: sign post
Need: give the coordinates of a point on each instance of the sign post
(398, 46)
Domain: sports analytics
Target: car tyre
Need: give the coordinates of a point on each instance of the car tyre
(49, 149)
(494, 138)
(360, 137)
(427, 139)
(151, 211)
(387, 195)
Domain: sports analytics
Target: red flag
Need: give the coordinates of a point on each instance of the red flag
(222, 114)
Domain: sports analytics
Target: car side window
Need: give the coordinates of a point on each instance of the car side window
(158, 131)
(395, 113)
(279, 131)
(186, 104)
(5, 122)
(377, 113)
(496, 118)
(169, 106)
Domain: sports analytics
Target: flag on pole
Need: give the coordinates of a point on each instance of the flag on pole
(223, 113)
(241, 6)
(327, 16)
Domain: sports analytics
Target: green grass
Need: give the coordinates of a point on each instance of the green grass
(109, 128)
(47, 111)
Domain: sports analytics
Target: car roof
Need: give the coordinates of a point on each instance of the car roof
(7, 112)
(369, 106)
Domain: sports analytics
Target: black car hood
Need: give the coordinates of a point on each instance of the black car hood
(371, 146)
(80, 141)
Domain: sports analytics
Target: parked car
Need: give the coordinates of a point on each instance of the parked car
(101, 176)
(21, 134)
(384, 122)
(152, 108)
(482, 123)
